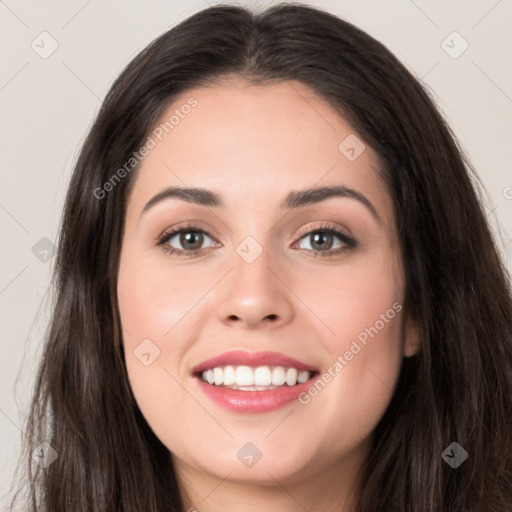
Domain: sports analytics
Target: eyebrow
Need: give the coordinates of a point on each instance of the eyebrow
(294, 199)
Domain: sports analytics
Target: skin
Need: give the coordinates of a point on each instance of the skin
(253, 145)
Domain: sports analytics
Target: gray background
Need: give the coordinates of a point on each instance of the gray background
(48, 104)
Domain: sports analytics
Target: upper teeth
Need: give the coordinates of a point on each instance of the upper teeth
(260, 376)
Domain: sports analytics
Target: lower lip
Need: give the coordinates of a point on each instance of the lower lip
(254, 401)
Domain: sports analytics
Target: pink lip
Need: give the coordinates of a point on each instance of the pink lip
(254, 401)
(253, 359)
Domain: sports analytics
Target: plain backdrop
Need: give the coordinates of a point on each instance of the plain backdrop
(48, 102)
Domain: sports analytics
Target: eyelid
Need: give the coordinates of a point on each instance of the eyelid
(327, 226)
(191, 225)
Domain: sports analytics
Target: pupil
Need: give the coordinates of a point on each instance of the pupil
(187, 238)
(321, 237)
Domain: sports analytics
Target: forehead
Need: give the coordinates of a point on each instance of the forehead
(256, 141)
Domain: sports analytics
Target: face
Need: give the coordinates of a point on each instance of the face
(319, 281)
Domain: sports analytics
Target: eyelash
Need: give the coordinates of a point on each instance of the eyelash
(350, 243)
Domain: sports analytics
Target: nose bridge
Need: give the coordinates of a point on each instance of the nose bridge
(253, 293)
(252, 277)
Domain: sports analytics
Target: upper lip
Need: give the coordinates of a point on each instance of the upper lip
(261, 358)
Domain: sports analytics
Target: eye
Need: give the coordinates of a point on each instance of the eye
(190, 237)
(323, 240)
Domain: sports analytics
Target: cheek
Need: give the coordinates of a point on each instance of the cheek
(363, 311)
(360, 301)
(160, 308)
(155, 306)
(154, 298)
(360, 312)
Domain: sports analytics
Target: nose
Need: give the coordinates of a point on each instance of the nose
(255, 295)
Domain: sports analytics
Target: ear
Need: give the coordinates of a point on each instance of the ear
(412, 336)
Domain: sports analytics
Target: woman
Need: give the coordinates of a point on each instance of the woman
(337, 337)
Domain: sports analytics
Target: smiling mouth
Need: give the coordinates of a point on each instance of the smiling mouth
(260, 378)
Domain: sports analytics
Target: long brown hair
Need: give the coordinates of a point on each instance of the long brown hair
(458, 388)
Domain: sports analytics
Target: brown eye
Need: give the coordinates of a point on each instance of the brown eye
(192, 240)
(327, 240)
(188, 239)
(321, 240)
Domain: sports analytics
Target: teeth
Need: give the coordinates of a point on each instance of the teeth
(244, 376)
(229, 375)
(218, 376)
(303, 376)
(278, 376)
(254, 379)
(262, 376)
(291, 376)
